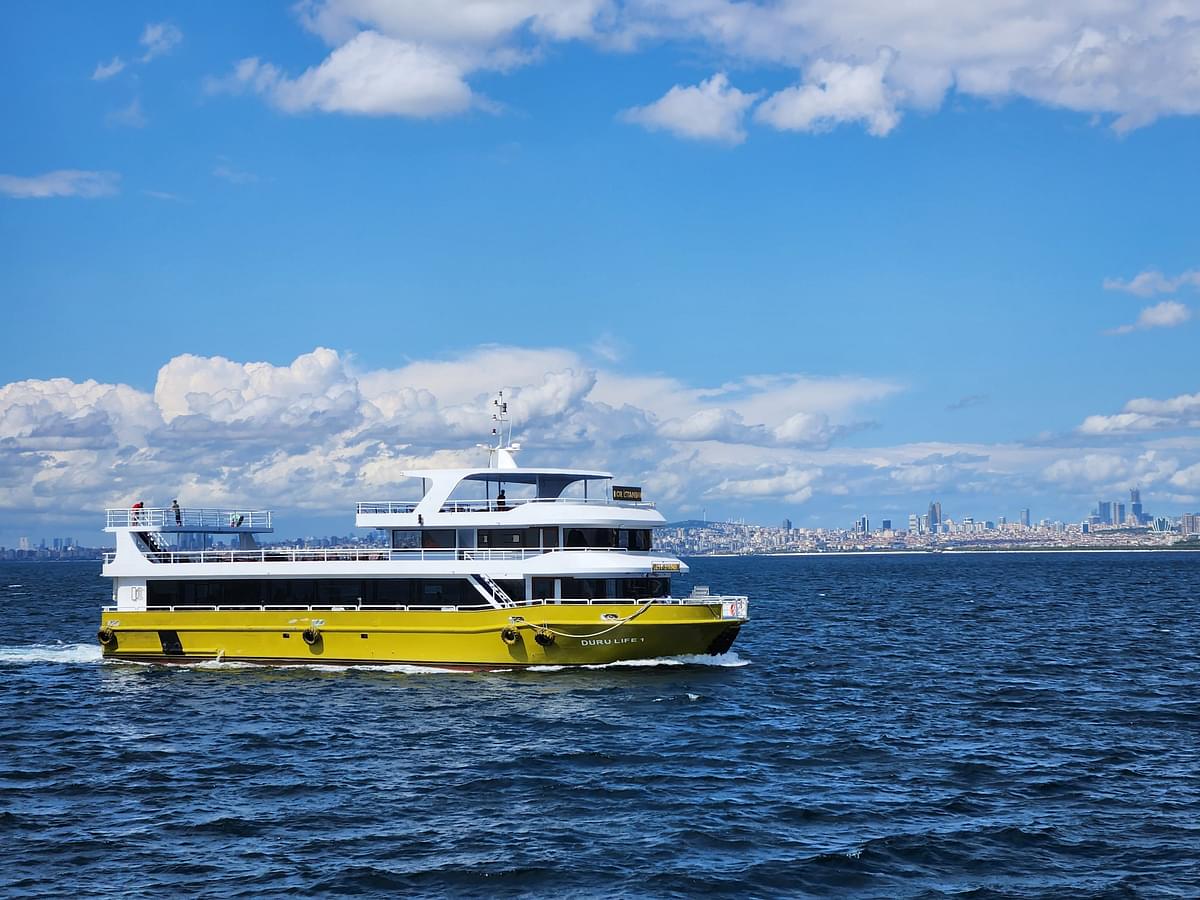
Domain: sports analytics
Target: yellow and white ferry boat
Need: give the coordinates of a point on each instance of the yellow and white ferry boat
(495, 567)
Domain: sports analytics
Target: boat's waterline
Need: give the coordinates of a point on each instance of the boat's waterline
(535, 635)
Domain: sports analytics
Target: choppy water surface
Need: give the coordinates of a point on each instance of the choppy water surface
(1020, 725)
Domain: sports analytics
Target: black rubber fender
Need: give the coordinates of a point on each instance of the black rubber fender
(311, 636)
(510, 635)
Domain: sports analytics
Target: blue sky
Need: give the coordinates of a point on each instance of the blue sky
(917, 232)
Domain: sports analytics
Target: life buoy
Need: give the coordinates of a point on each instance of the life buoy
(510, 635)
(311, 635)
(544, 636)
(107, 638)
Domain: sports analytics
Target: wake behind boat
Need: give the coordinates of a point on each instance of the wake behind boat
(494, 567)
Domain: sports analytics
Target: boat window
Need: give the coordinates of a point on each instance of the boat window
(438, 539)
(543, 588)
(285, 593)
(550, 537)
(591, 537)
(643, 588)
(394, 591)
(585, 588)
(508, 538)
(162, 593)
(641, 539)
(406, 538)
(514, 587)
(340, 592)
(293, 592)
(447, 592)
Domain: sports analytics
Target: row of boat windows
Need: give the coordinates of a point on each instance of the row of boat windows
(297, 592)
(536, 538)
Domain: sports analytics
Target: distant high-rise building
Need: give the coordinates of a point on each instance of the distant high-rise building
(887, 524)
(1003, 520)
(1085, 528)
(1104, 512)
(935, 515)
(1025, 518)
(1118, 513)
(1136, 513)
(924, 525)
(23, 544)
(787, 524)
(863, 525)
(1189, 523)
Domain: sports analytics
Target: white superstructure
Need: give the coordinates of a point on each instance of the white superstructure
(497, 536)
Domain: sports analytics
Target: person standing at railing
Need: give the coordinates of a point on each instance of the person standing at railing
(178, 512)
(501, 500)
(135, 513)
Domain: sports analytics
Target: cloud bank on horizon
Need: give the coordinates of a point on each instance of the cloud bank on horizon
(318, 434)
(862, 62)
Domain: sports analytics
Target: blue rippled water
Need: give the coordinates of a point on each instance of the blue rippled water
(995, 725)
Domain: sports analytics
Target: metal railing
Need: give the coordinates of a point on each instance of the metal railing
(549, 601)
(365, 554)
(505, 505)
(189, 518)
(370, 507)
(373, 507)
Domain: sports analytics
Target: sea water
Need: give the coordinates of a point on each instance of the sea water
(1022, 725)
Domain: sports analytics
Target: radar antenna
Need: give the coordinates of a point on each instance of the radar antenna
(501, 450)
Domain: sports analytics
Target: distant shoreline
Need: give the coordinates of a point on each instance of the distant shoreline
(955, 551)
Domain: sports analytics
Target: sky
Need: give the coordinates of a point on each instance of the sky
(793, 259)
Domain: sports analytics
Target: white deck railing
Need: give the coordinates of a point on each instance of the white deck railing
(375, 507)
(189, 518)
(357, 554)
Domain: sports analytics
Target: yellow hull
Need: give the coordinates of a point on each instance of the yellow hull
(474, 639)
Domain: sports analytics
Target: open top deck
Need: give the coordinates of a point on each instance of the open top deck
(189, 519)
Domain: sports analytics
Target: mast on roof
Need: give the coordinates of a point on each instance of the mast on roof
(501, 450)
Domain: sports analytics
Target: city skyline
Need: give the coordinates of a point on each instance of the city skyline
(803, 265)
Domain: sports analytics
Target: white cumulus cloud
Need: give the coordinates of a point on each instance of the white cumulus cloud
(1166, 314)
(834, 93)
(713, 110)
(1147, 414)
(369, 75)
(1130, 60)
(1152, 281)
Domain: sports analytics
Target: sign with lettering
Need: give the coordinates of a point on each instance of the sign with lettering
(664, 567)
(626, 493)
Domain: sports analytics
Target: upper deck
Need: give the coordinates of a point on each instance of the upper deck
(188, 519)
(541, 497)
